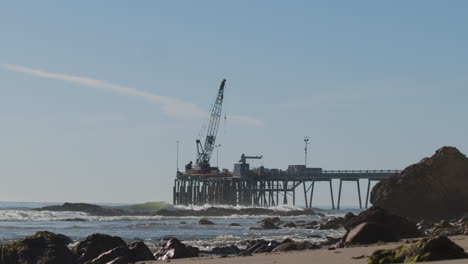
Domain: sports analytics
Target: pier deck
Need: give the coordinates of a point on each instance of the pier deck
(269, 188)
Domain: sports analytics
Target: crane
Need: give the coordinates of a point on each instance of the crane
(244, 158)
(205, 150)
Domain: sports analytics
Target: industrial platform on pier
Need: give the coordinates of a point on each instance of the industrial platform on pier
(202, 184)
(267, 187)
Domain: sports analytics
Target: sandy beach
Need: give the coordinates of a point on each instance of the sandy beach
(355, 255)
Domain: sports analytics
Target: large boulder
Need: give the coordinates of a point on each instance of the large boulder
(174, 249)
(433, 189)
(376, 224)
(42, 247)
(138, 251)
(428, 249)
(369, 233)
(94, 245)
(400, 226)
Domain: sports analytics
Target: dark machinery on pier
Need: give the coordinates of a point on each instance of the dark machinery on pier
(242, 169)
(205, 150)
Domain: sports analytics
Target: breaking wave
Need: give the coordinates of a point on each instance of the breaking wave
(32, 215)
(282, 208)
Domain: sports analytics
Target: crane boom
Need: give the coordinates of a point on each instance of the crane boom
(204, 151)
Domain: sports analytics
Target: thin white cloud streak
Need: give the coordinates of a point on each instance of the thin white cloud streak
(169, 105)
(247, 120)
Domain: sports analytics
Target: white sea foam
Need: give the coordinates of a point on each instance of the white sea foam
(32, 215)
(284, 208)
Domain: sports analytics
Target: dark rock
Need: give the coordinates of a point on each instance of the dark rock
(311, 225)
(227, 250)
(75, 220)
(294, 246)
(333, 223)
(258, 246)
(428, 249)
(254, 245)
(275, 220)
(425, 227)
(286, 240)
(255, 228)
(174, 249)
(91, 209)
(138, 251)
(205, 222)
(331, 240)
(94, 245)
(287, 224)
(369, 233)
(264, 248)
(108, 256)
(443, 228)
(234, 224)
(433, 189)
(119, 260)
(272, 244)
(444, 224)
(463, 220)
(400, 226)
(268, 224)
(183, 223)
(447, 231)
(348, 216)
(66, 240)
(42, 247)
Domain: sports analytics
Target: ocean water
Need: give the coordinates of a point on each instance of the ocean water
(18, 220)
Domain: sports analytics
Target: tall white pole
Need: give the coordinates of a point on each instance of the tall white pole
(177, 160)
(306, 140)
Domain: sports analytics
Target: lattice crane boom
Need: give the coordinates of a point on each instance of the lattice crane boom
(204, 151)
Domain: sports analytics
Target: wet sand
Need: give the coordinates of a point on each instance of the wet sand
(338, 256)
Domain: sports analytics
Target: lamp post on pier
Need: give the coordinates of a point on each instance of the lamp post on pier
(217, 154)
(177, 159)
(306, 141)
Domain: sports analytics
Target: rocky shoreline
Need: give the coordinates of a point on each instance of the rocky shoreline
(376, 225)
(407, 218)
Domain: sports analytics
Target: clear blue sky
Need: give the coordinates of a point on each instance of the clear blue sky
(375, 84)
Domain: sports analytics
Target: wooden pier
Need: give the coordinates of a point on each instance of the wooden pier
(270, 188)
